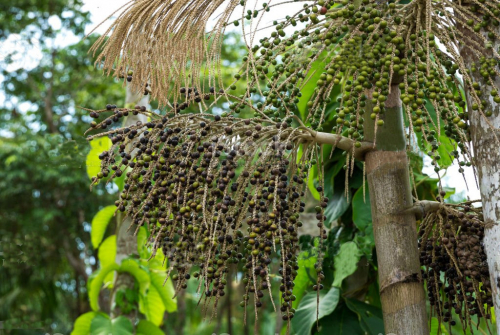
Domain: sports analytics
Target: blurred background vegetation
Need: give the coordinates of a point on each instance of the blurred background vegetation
(47, 212)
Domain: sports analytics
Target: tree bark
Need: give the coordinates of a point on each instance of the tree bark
(401, 288)
(126, 242)
(487, 163)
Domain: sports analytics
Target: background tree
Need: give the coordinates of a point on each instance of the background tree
(45, 204)
(484, 136)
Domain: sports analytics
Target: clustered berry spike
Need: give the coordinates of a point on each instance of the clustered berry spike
(454, 264)
(213, 192)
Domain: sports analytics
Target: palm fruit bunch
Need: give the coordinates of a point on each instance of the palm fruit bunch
(454, 264)
(214, 192)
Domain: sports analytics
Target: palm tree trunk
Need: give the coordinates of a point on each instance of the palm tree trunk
(485, 142)
(401, 288)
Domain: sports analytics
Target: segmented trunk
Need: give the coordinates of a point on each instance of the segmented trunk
(401, 287)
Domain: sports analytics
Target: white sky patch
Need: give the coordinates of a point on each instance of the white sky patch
(26, 56)
(464, 185)
(55, 22)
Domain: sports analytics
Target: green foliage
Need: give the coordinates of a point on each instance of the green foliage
(370, 317)
(445, 151)
(106, 255)
(151, 305)
(141, 275)
(152, 297)
(309, 310)
(311, 183)
(335, 191)
(93, 162)
(18, 15)
(64, 80)
(436, 328)
(100, 223)
(146, 327)
(45, 207)
(45, 203)
(306, 275)
(142, 237)
(362, 209)
(126, 299)
(95, 284)
(83, 323)
(165, 291)
(309, 89)
(346, 262)
(103, 325)
(342, 321)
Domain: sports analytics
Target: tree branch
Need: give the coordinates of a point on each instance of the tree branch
(338, 141)
(420, 208)
(341, 142)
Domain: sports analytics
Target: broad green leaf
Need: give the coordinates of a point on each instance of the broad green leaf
(148, 328)
(444, 150)
(166, 291)
(104, 326)
(152, 306)
(337, 205)
(435, 329)
(107, 255)
(83, 322)
(309, 310)
(308, 90)
(107, 251)
(361, 209)
(342, 321)
(100, 223)
(331, 171)
(142, 236)
(156, 263)
(96, 283)
(370, 317)
(132, 266)
(306, 274)
(98, 145)
(346, 262)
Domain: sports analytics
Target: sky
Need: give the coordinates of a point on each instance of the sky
(101, 9)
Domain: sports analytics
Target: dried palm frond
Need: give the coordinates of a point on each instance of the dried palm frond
(165, 44)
